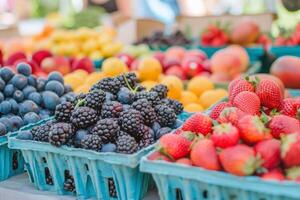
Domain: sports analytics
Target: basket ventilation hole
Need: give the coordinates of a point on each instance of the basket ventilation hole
(86, 167)
(112, 188)
(262, 199)
(178, 194)
(205, 194)
(233, 197)
(69, 184)
(48, 176)
(15, 163)
(44, 160)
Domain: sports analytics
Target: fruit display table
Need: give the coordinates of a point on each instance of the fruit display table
(19, 188)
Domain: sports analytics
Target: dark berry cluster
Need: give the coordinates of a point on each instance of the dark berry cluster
(116, 115)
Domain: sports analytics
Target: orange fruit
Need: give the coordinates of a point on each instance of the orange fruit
(82, 73)
(94, 78)
(82, 89)
(174, 85)
(210, 97)
(113, 67)
(149, 69)
(149, 84)
(199, 84)
(188, 97)
(193, 107)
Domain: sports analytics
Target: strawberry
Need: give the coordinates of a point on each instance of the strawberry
(275, 174)
(269, 152)
(269, 93)
(290, 149)
(174, 146)
(225, 135)
(293, 173)
(291, 107)
(230, 114)
(252, 129)
(184, 161)
(237, 86)
(158, 156)
(217, 109)
(282, 124)
(248, 102)
(204, 154)
(198, 123)
(239, 160)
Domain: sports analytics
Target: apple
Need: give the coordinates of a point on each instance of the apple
(176, 71)
(169, 62)
(15, 57)
(192, 67)
(40, 55)
(160, 56)
(196, 53)
(126, 58)
(83, 63)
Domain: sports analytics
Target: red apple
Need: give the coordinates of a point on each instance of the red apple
(160, 56)
(126, 58)
(48, 65)
(134, 65)
(176, 71)
(170, 62)
(192, 67)
(56, 63)
(196, 53)
(40, 55)
(85, 64)
(15, 57)
(206, 65)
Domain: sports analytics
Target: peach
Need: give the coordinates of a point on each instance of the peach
(196, 53)
(175, 52)
(245, 32)
(220, 77)
(241, 53)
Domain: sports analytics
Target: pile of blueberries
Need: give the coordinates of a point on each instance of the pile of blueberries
(25, 98)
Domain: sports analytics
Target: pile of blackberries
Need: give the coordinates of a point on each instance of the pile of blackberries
(25, 99)
(116, 115)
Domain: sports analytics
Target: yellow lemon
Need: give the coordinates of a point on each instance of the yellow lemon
(94, 78)
(82, 73)
(174, 85)
(113, 67)
(210, 97)
(188, 97)
(199, 84)
(149, 69)
(73, 80)
(193, 107)
(82, 89)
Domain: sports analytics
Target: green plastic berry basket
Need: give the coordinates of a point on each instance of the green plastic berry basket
(279, 51)
(91, 170)
(176, 181)
(294, 92)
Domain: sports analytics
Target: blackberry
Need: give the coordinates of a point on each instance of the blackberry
(83, 117)
(69, 184)
(48, 176)
(78, 97)
(147, 111)
(41, 133)
(147, 137)
(128, 78)
(63, 111)
(107, 85)
(106, 129)
(161, 90)
(111, 109)
(165, 115)
(131, 120)
(126, 144)
(121, 133)
(152, 97)
(175, 105)
(95, 99)
(91, 142)
(112, 188)
(60, 133)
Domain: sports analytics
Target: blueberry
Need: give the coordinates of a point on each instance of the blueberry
(67, 89)
(177, 124)
(50, 100)
(31, 117)
(109, 96)
(6, 74)
(1, 97)
(17, 122)
(2, 84)
(79, 135)
(35, 97)
(155, 127)
(19, 81)
(5, 107)
(7, 123)
(40, 84)
(56, 87)
(162, 131)
(9, 90)
(18, 96)
(2, 129)
(125, 96)
(24, 68)
(14, 106)
(28, 90)
(43, 113)
(56, 76)
(24, 135)
(109, 147)
(67, 97)
(32, 80)
(28, 106)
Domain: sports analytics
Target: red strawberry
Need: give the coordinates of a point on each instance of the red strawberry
(282, 124)
(237, 86)
(269, 93)
(158, 156)
(214, 114)
(248, 102)
(225, 135)
(174, 146)
(239, 160)
(184, 161)
(291, 107)
(252, 129)
(269, 152)
(293, 173)
(290, 150)
(204, 154)
(230, 114)
(198, 123)
(275, 174)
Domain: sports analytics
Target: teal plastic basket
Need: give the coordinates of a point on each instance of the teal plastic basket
(294, 92)
(279, 51)
(91, 170)
(175, 181)
(98, 63)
